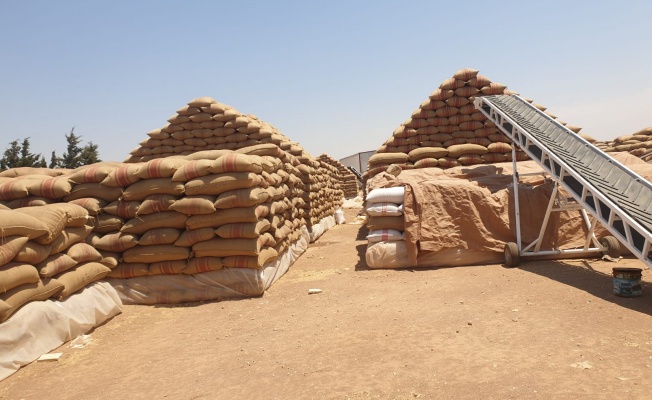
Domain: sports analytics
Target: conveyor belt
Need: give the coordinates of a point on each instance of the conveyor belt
(619, 198)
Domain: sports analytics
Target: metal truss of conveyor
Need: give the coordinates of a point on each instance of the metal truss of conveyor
(618, 198)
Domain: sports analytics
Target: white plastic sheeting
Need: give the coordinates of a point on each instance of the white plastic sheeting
(323, 225)
(41, 326)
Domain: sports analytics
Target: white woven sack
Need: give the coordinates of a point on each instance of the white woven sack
(387, 195)
(385, 209)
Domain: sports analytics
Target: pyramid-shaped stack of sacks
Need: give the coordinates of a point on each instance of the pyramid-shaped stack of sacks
(205, 124)
(447, 131)
(43, 249)
(638, 144)
(348, 181)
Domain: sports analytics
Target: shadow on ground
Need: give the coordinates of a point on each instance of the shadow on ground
(588, 279)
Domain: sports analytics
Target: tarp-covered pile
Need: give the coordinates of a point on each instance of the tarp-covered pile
(465, 215)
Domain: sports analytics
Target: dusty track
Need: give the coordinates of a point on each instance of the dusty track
(545, 330)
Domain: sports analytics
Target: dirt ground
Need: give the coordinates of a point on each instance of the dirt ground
(544, 330)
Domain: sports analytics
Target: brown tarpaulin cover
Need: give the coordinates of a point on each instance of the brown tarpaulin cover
(465, 215)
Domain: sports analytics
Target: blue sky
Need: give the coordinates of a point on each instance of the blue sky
(336, 76)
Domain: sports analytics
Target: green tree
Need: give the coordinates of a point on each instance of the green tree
(89, 154)
(54, 160)
(75, 156)
(18, 155)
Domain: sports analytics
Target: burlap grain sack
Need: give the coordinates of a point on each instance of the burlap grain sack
(170, 267)
(201, 117)
(195, 205)
(188, 110)
(156, 203)
(216, 184)
(70, 236)
(155, 253)
(442, 94)
(267, 149)
(123, 176)
(493, 88)
(10, 247)
(165, 219)
(14, 274)
(50, 187)
(197, 265)
(452, 84)
(160, 168)
(191, 170)
(83, 252)
(29, 201)
(427, 152)
(247, 197)
(470, 159)
(117, 242)
(92, 205)
(55, 264)
(228, 216)
(387, 158)
(191, 236)
(122, 209)
(147, 187)
(33, 253)
(427, 163)
(455, 151)
(465, 74)
(19, 296)
(499, 147)
(236, 162)
(96, 190)
(159, 236)
(129, 270)
(202, 102)
(31, 171)
(80, 276)
(93, 173)
(107, 223)
(54, 217)
(248, 230)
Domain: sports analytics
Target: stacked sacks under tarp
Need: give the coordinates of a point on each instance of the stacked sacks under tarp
(447, 131)
(348, 181)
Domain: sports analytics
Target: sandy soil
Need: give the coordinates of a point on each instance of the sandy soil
(544, 330)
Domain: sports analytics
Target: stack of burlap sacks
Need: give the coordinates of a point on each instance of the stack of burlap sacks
(447, 131)
(239, 202)
(176, 215)
(43, 249)
(205, 124)
(347, 180)
(638, 144)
